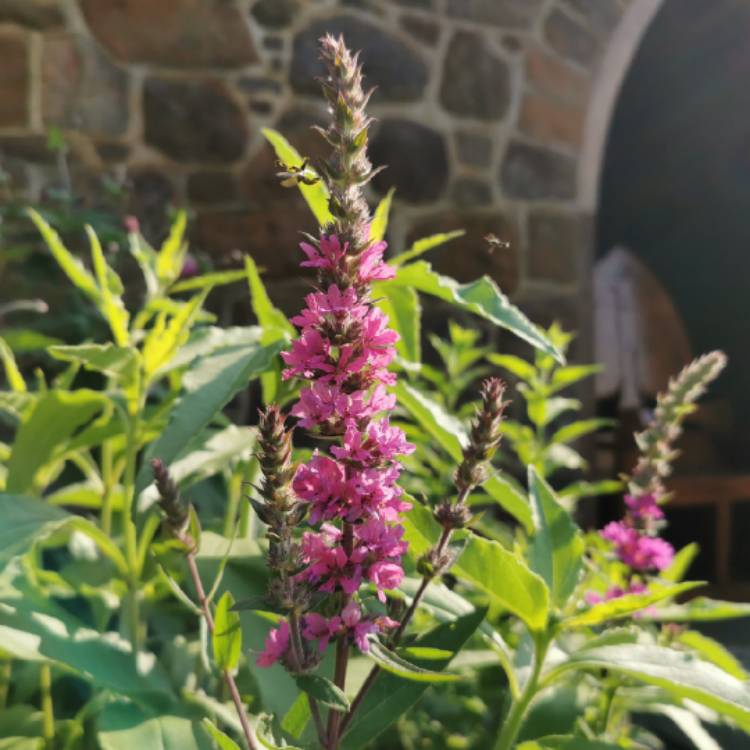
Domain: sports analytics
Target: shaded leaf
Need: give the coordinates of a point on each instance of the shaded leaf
(323, 690)
(391, 662)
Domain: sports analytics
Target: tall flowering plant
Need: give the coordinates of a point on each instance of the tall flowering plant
(348, 489)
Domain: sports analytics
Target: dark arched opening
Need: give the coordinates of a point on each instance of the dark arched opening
(675, 190)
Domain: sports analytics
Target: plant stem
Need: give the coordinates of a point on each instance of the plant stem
(519, 706)
(107, 476)
(342, 654)
(129, 527)
(6, 672)
(298, 651)
(48, 712)
(395, 639)
(226, 674)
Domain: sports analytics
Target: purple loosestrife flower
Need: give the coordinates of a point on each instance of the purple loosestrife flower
(635, 540)
(343, 353)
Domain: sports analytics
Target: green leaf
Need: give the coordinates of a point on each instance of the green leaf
(231, 372)
(379, 223)
(119, 362)
(24, 521)
(678, 673)
(21, 743)
(72, 267)
(421, 530)
(401, 305)
(700, 609)
(391, 696)
(506, 580)
(567, 743)
(110, 303)
(34, 627)
(391, 662)
(448, 431)
(12, 373)
(126, 726)
(323, 690)
(164, 339)
(627, 605)
(275, 327)
(689, 724)
(425, 244)
(557, 547)
(227, 636)
(565, 376)
(543, 410)
(53, 419)
(315, 195)
(297, 717)
(680, 564)
(713, 652)
(481, 297)
(171, 255)
(221, 739)
(578, 429)
(218, 278)
(510, 499)
(519, 367)
(268, 316)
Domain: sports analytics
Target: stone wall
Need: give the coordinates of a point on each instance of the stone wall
(480, 105)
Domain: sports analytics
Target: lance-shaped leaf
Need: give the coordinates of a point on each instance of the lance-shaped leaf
(627, 605)
(678, 673)
(481, 297)
(391, 696)
(53, 419)
(118, 362)
(391, 662)
(401, 305)
(323, 690)
(713, 651)
(231, 372)
(424, 245)
(379, 223)
(556, 549)
(700, 609)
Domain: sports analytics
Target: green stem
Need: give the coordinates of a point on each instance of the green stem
(107, 477)
(518, 708)
(6, 673)
(128, 521)
(48, 712)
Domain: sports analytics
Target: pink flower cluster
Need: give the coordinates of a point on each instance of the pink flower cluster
(637, 550)
(343, 351)
(635, 543)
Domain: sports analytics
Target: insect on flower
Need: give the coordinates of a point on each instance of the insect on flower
(292, 176)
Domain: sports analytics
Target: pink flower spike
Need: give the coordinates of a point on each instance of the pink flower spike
(644, 506)
(315, 627)
(276, 644)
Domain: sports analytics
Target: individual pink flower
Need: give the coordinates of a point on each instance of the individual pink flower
(371, 266)
(329, 253)
(644, 507)
(315, 627)
(385, 576)
(276, 645)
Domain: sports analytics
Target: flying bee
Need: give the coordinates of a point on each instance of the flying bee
(292, 176)
(495, 243)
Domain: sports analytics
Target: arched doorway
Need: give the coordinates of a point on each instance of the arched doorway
(674, 187)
